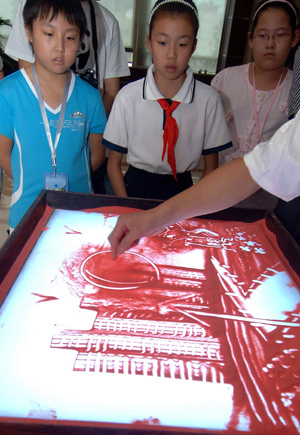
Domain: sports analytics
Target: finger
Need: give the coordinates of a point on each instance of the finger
(116, 237)
(129, 240)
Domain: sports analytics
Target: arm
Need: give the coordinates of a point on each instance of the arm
(116, 63)
(115, 173)
(97, 150)
(1, 75)
(222, 188)
(111, 88)
(210, 163)
(6, 145)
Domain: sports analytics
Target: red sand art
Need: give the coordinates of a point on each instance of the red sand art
(198, 302)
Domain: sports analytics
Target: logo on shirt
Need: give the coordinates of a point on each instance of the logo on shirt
(77, 115)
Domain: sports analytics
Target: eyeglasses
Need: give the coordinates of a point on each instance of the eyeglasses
(263, 37)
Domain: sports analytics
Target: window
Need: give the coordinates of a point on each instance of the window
(133, 18)
(7, 12)
(124, 11)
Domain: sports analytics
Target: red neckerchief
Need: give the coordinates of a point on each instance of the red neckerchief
(170, 133)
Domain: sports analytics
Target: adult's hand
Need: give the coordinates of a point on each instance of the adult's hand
(220, 189)
(131, 227)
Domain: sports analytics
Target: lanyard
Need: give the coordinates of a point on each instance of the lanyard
(52, 147)
(258, 135)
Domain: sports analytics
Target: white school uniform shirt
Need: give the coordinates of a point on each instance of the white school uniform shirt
(112, 59)
(136, 123)
(275, 165)
(236, 91)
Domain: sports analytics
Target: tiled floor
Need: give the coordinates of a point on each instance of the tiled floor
(4, 207)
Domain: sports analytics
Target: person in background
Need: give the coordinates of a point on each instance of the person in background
(272, 165)
(165, 122)
(100, 50)
(51, 121)
(255, 95)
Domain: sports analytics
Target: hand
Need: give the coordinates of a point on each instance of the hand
(220, 189)
(130, 228)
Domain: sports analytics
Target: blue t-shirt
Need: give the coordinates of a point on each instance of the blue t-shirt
(21, 120)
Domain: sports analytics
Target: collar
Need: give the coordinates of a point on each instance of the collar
(184, 95)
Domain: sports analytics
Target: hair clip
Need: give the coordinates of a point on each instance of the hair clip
(173, 1)
(281, 1)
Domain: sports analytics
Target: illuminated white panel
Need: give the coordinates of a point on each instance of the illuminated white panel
(189, 329)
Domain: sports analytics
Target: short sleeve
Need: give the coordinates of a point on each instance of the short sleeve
(116, 133)
(116, 62)
(99, 115)
(6, 111)
(218, 81)
(275, 165)
(217, 136)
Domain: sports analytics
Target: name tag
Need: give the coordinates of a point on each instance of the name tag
(58, 181)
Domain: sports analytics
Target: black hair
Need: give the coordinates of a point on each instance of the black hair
(175, 8)
(42, 9)
(289, 8)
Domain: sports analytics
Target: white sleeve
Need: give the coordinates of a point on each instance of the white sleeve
(17, 45)
(117, 64)
(116, 135)
(275, 165)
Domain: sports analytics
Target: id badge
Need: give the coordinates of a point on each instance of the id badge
(59, 181)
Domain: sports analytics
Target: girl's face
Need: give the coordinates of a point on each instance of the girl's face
(172, 43)
(55, 44)
(272, 39)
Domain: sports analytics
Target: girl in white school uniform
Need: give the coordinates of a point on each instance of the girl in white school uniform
(165, 122)
(273, 165)
(255, 96)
